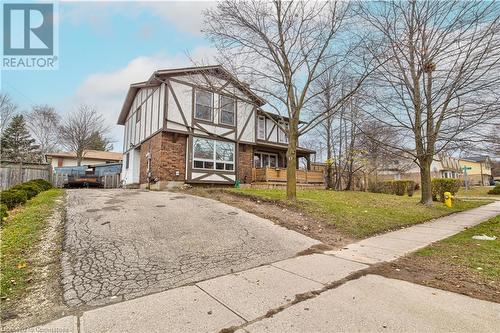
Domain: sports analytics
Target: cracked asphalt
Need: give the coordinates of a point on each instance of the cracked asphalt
(121, 244)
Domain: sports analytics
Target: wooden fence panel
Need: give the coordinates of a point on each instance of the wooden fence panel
(12, 174)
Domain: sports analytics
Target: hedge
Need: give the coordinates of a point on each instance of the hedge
(397, 187)
(20, 193)
(3, 212)
(495, 190)
(13, 198)
(441, 185)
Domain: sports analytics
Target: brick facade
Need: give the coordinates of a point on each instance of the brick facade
(168, 155)
(244, 163)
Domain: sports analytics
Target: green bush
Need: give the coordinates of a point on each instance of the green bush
(42, 183)
(399, 187)
(31, 189)
(441, 185)
(20, 193)
(375, 187)
(495, 190)
(3, 212)
(410, 187)
(12, 198)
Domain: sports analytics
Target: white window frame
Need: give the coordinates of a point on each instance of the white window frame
(259, 118)
(282, 136)
(221, 107)
(214, 160)
(268, 160)
(210, 106)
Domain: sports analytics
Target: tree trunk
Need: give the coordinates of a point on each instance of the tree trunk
(329, 163)
(291, 168)
(79, 157)
(425, 181)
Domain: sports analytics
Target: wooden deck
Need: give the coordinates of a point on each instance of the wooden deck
(279, 175)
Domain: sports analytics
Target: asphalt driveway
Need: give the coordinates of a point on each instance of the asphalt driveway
(121, 244)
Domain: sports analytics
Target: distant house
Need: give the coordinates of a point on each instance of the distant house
(480, 170)
(90, 157)
(443, 166)
(202, 125)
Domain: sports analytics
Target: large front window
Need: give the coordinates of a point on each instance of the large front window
(265, 160)
(213, 154)
(204, 105)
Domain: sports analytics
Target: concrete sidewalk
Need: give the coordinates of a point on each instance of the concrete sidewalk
(314, 293)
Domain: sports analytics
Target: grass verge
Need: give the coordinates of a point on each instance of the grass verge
(21, 231)
(459, 263)
(360, 214)
(480, 257)
(475, 191)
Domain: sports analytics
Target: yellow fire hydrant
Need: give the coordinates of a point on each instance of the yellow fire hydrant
(447, 199)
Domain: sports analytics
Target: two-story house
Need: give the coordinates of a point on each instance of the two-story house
(201, 125)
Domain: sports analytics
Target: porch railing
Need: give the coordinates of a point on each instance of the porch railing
(279, 175)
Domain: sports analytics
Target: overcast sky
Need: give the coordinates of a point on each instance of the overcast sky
(106, 46)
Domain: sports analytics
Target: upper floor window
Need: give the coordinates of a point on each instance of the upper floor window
(283, 137)
(204, 105)
(261, 128)
(227, 107)
(138, 115)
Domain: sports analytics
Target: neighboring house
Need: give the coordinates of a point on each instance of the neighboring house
(495, 170)
(443, 166)
(90, 157)
(480, 170)
(200, 125)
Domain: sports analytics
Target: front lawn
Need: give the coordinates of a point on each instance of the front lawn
(478, 256)
(361, 214)
(476, 191)
(459, 263)
(20, 233)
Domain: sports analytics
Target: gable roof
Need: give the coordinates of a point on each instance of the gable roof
(90, 154)
(156, 79)
(477, 158)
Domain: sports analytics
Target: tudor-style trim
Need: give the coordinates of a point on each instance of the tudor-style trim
(201, 87)
(268, 136)
(209, 173)
(178, 105)
(246, 124)
(165, 105)
(229, 132)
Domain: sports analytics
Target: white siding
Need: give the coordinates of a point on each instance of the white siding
(150, 103)
(130, 175)
(184, 97)
(245, 111)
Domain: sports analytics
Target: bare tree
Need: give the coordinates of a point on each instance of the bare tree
(43, 123)
(439, 77)
(7, 110)
(79, 128)
(281, 48)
